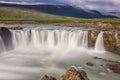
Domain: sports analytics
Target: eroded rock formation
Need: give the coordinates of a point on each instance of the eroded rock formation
(111, 39)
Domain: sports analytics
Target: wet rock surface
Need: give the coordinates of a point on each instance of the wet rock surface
(89, 64)
(111, 39)
(7, 37)
(74, 74)
(115, 68)
(71, 74)
(16, 28)
(106, 60)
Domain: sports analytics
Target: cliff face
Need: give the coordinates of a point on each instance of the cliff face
(7, 37)
(111, 40)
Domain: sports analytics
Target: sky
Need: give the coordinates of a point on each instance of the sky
(101, 5)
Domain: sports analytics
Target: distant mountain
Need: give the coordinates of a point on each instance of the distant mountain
(63, 10)
(114, 13)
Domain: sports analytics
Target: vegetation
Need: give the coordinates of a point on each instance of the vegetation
(16, 15)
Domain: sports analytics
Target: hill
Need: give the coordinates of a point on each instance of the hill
(23, 15)
(62, 10)
(12, 13)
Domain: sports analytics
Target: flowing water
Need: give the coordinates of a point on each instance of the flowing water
(99, 45)
(2, 46)
(41, 49)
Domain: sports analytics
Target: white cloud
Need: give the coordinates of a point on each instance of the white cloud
(102, 5)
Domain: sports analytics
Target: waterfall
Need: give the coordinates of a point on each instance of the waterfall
(20, 38)
(2, 46)
(99, 45)
(50, 38)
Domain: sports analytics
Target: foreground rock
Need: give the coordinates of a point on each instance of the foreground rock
(74, 74)
(89, 64)
(71, 74)
(46, 77)
(115, 68)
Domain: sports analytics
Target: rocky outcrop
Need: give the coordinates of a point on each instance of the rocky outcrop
(115, 68)
(111, 39)
(74, 74)
(7, 37)
(16, 28)
(46, 77)
(71, 74)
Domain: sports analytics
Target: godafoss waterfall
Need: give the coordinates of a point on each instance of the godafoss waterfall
(39, 50)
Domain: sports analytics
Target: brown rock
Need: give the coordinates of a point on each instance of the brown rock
(89, 64)
(115, 68)
(74, 74)
(111, 39)
(45, 77)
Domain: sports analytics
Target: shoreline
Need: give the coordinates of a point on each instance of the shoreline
(88, 23)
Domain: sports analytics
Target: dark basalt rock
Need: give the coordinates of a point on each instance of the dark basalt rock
(16, 28)
(74, 74)
(7, 37)
(89, 64)
(46, 77)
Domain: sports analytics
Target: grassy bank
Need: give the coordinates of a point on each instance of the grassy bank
(11, 15)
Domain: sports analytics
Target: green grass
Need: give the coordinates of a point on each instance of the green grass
(17, 15)
(9, 13)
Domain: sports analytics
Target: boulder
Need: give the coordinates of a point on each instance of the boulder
(115, 68)
(89, 64)
(46, 77)
(74, 74)
(71, 74)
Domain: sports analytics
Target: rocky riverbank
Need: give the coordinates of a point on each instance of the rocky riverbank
(74, 74)
(71, 74)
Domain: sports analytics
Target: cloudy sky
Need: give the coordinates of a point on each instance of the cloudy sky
(101, 5)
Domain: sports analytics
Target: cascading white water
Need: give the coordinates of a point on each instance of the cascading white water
(50, 38)
(31, 63)
(2, 46)
(20, 38)
(99, 45)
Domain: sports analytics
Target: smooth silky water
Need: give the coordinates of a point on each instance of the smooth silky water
(48, 49)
